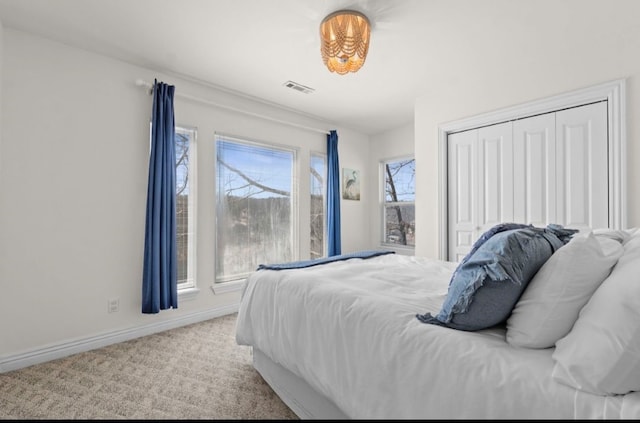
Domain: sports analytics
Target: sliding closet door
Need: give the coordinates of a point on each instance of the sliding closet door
(462, 197)
(534, 159)
(582, 167)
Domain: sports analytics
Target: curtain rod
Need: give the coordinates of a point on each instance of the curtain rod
(149, 86)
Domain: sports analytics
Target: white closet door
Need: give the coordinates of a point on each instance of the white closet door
(495, 176)
(534, 158)
(550, 168)
(582, 166)
(480, 184)
(462, 193)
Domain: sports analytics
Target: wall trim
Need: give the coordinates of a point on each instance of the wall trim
(615, 94)
(64, 349)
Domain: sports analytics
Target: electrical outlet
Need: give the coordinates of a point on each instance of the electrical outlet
(113, 305)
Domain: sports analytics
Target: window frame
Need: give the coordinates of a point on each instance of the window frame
(189, 285)
(384, 203)
(295, 210)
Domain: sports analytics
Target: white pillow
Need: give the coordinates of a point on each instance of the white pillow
(620, 235)
(601, 354)
(550, 304)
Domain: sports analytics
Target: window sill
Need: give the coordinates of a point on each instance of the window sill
(407, 251)
(231, 286)
(188, 293)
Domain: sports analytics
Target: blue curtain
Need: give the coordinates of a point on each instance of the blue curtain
(159, 279)
(333, 195)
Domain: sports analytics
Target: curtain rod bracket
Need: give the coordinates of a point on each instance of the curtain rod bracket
(141, 83)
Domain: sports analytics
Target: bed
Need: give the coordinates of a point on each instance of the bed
(342, 339)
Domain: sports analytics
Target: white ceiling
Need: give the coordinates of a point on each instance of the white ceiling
(248, 46)
(255, 46)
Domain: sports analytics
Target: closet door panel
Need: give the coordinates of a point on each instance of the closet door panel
(495, 176)
(549, 168)
(534, 170)
(462, 197)
(582, 166)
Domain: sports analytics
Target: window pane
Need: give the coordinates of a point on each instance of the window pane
(399, 223)
(184, 213)
(399, 196)
(254, 207)
(400, 180)
(318, 177)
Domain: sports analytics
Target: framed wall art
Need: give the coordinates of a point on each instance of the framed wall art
(350, 184)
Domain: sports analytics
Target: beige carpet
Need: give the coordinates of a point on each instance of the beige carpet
(194, 372)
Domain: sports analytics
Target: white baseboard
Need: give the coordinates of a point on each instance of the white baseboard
(64, 349)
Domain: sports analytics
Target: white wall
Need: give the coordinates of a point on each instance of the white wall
(571, 45)
(1, 48)
(354, 154)
(395, 143)
(73, 176)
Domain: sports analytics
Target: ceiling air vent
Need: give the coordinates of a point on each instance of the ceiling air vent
(298, 87)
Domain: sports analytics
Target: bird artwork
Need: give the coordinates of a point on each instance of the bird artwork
(351, 184)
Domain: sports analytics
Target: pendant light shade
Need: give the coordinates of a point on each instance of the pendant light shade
(344, 37)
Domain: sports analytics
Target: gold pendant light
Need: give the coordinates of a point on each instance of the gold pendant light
(344, 37)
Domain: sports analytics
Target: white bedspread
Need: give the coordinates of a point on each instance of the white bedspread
(349, 329)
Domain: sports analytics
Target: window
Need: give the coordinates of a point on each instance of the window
(185, 222)
(255, 216)
(398, 206)
(317, 206)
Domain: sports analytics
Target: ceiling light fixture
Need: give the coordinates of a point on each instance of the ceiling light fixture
(344, 37)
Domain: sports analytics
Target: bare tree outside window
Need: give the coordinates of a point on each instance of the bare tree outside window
(255, 207)
(399, 202)
(318, 189)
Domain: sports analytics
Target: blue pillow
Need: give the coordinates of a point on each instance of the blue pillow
(487, 286)
(500, 227)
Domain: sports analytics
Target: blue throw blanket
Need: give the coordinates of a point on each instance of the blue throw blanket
(308, 263)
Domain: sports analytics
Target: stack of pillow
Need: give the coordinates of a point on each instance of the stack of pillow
(554, 287)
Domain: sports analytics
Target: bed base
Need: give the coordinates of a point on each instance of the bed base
(297, 394)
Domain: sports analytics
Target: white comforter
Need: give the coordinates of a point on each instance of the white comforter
(349, 329)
